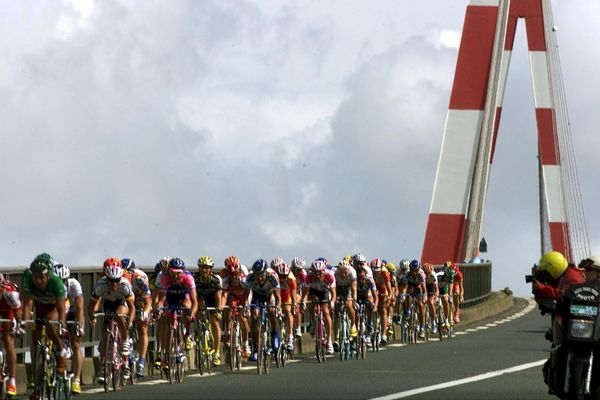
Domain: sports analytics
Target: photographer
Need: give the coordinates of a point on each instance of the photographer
(564, 276)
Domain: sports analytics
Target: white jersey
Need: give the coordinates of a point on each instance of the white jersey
(102, 290)
(345, 280)
(73, 288)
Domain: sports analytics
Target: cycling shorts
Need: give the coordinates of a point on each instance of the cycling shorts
(321, 295)
(344, 292)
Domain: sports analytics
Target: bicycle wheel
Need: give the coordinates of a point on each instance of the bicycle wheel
(233, 347)
(62, 389)
(172, 356)
(260, 349)
(38, 372)
(199, 352)
(209, 348)
(108, 359)
(440, 321)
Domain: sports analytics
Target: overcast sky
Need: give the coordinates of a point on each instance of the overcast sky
(260, 128)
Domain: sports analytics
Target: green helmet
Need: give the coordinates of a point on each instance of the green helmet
(42, 264)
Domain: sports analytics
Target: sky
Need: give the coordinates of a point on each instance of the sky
(262, 129)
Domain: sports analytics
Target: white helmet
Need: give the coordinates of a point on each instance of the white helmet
(114, 272)
(62, 271)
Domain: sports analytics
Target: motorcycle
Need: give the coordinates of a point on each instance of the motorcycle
(572, 371)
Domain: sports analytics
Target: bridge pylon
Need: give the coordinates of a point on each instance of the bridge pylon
(456, 212)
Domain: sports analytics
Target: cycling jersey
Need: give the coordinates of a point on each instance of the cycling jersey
(288, 286)
(381, 280)
(414, 281)
(206, 289)
(364, 289)
(176, 292)
(73, 288)
(9, 300)
(103, 291)
(300, 276)
(445, 280)
(233, 285)
(431, 283)
(323, 284)
(55, 289)
(140, 283)
(344, 283)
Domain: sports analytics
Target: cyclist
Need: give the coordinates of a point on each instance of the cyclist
(345, 283)
(366, 293)
(433, 292)
(234, 277)
(161, 267)
(143, 305)
(176, 289)
(10, 308)
(74, 307)
(458, 292)
(289, 296)
(403, 268)
(45, 292)
(391, 268)
(298, 269)
(265, 290)
(320, 287)
(116, 294)
(360, 261)
(209, 289)
(384, 289)
(446, 286)
(414, 284)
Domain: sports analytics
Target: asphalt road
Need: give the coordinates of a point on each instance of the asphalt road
(396, 370)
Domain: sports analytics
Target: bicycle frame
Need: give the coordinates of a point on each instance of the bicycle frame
(113, 362)
(343, 330)
(204, 339)
(44, 361)
(176, 353)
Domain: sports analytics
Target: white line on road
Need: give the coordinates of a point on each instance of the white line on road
(487, 375)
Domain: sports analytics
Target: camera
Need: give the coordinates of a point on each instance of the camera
(529, 278)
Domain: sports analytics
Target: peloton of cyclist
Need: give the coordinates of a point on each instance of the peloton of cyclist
(264, 287)
(10, 308)
(234, 277)
(143, 304)
(209, 287)
(320, 287)
(345, 283)
(74, 307)
(45, 293)
(116, 294)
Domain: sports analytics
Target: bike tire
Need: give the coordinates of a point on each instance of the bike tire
(107, 366)
(38, 369)
(260, 351)
(115, 378)
(209, 348)
(233, 348)
(577, 378)
(199, 355)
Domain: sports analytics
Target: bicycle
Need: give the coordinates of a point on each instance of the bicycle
(236, 346)
(375, 331)
(113, 363)
(177, 353)
(263, 347)
(320, 334)
(204, 341)
(283, 353)
(361, 324)
(45, 376)
(344, 331)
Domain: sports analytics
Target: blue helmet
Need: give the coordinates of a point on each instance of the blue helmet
(414, 265)
(128, 264)
(176, 263)
(260, 266)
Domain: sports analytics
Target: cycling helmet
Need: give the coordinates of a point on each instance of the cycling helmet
(448, 263)
(283, 269)
(344, 264)
(260, 266)
(276, 262)
(206, 260)
(128, 264)
(554, 263)
(390, 267)
(42, 264)
(376, 264)
(414, 265)
(404, 265)
(114, 272)
(299, 263)
(324, 260)
(232, 263)
(318, 266)
(176, 263)
(62, 271)
(359, 257)
(111, 262)
(348, 258)
(428, 268)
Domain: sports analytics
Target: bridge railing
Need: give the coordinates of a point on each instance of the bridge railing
(477, 282)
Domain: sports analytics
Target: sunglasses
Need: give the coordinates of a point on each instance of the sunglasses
(114, 280)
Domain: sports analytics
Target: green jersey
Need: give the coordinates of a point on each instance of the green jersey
(55, 289)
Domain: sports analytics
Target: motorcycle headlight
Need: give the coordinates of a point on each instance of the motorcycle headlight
(581, 329)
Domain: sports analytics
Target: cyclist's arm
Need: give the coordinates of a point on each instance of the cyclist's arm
(93, 307)
(60, 308)
(194, 301)
(219, 300)
(131, 306)
(246, 296)
(27, 304)
(353, 290)
(333, 294)
(160, 300)
(79, 310)
(277, 293)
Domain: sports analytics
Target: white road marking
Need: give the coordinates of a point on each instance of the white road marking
(487, 375)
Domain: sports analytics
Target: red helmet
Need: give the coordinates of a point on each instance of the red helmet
(455, 267)
(283, 269)
(376, 264)
(112, 262)
(232, 263)
(428, 268)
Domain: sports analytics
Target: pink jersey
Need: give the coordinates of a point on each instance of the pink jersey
(321, 284)
(176, 291)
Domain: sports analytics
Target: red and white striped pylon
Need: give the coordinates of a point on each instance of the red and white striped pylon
(446, 227)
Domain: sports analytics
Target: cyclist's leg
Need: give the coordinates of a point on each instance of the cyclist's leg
(11, 355)
(122, 325)
(52, 333)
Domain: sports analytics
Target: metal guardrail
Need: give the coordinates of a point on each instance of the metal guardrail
(477, 280)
